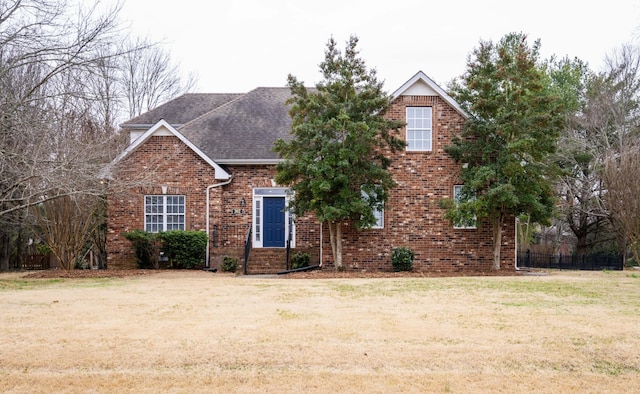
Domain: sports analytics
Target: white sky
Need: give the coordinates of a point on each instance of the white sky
(237, 45)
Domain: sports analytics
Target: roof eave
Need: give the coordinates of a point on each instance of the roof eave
(142, 126)
(249, 161)
(220, 172)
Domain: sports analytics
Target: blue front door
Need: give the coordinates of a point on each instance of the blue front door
(273, 222)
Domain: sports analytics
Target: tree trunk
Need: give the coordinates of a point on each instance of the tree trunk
(581, 245)
(20, 246)
(635, 249)
(335, 236)
(496, 224)
(4, 252)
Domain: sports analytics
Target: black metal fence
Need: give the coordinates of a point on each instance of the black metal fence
(591, 262)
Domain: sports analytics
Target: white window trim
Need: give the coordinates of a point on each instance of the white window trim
(430, 129)
(164, 213)
(456, 190)
(378, 213)
(258, 205)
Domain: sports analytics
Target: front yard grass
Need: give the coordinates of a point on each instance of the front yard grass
(193, 331)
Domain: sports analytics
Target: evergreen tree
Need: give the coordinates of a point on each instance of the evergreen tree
(513, 126)
(337, 162)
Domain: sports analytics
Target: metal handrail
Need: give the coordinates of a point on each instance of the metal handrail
(247, 249)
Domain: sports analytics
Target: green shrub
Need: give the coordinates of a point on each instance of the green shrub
(229, 264)
(145, 247)
(300, 260)
(185, 249)
(81, 265)
(631, 262)
(402, 259)
(43, 248)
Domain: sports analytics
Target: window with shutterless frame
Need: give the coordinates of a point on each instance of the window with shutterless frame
(378, 213)
(469, 223)
(419, 129)
(164, 213)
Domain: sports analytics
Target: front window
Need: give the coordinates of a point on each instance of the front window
(466, 221)
(419, 133)
(378, 213)
(164, 213)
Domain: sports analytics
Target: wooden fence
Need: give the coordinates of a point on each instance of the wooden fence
(36, 262)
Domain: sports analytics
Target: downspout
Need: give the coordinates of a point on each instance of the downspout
(515, 262)
(228, 181)
(320, 265)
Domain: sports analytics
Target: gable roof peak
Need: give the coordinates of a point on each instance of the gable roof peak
(421, 77)
(162, 126)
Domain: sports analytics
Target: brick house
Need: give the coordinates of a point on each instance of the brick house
(205, 162)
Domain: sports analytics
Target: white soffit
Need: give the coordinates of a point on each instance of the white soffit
(162, 131)
(421, 85)
(420, 88)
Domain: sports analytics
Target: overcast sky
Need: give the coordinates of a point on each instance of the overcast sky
(237, 45)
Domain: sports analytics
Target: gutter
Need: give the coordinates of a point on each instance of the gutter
(228, 181)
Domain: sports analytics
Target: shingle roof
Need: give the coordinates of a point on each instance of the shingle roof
(181, 109)
(243, 130)
(239, 128)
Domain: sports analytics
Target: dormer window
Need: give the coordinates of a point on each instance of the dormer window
(419, 132)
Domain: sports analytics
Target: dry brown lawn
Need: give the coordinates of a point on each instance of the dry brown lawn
(192, 331)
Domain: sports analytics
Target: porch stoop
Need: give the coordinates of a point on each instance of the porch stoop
(267, 260)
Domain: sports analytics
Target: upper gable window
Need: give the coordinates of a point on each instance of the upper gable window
(419, 134)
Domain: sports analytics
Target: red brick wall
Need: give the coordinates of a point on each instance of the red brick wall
(165, 161)
(413, 217)
(161, 161)
(234, 221)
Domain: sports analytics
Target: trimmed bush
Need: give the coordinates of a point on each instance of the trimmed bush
(300, 260)
(402, 259)
(185, 249)
(229, 264)
(145, 248)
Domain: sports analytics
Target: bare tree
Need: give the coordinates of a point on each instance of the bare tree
(41, 44)
(66, 227)
(579, 185)
(62, 91)
(149, 77)
(619, 144)
(620, 175)
(602, 120)
(620, 120)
